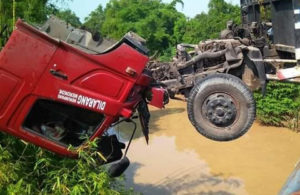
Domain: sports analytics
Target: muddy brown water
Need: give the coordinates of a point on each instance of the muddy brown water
(178, 160)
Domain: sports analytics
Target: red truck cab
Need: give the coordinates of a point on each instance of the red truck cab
(55, 95)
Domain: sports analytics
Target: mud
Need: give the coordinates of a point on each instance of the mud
(178, 160)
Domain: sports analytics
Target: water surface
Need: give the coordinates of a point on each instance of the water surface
(178, 160)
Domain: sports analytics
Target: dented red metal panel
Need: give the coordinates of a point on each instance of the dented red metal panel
(34, 66)
(158, 95)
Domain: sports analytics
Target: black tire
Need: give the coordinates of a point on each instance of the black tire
(221, 107)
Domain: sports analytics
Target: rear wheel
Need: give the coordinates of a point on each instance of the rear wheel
(221, 107)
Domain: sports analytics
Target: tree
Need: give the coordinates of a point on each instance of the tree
(174, 3)
(155, 21)
(209, 25)
(6, 19)
(69, 16)
(32, 11)
(95, 20)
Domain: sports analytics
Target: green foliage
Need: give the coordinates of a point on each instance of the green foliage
(95, 20)
(209, 25)
(159, 23)
(27, 169)
(69, 16)
(265, 11)
(168, 54)
(280, 105)
(32, 11)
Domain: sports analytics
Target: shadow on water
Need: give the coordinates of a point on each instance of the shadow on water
(161, 169)
(165, 165)
(144, 188)
(181, 185)
(157, 114)
(179, 160)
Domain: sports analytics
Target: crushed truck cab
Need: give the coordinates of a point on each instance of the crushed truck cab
(55, 95)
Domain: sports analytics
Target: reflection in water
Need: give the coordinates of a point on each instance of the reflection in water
(160, 169)
(125, 130)
(178, 160)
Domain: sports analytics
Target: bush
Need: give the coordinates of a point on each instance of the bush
(280, 106)
(27, 169)
(168, 55)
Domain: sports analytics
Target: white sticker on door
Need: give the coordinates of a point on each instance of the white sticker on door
(81, 100)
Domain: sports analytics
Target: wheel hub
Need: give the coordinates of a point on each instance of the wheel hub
(221, 110)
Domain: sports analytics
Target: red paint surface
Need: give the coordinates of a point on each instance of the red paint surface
(25, 77)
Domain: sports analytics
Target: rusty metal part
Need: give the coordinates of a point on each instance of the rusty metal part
(206, 58)
(245, 51)
(285, 48)
(220, 109)
(250, 79)
(280, 61)
(273, 77)
(205, 55)
(78, 38)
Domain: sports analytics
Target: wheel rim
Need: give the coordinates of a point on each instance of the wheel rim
(220, 110)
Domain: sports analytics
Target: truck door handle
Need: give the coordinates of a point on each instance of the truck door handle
(58, 74)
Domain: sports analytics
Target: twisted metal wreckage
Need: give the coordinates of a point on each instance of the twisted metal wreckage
(255, 52)
(79, 85)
